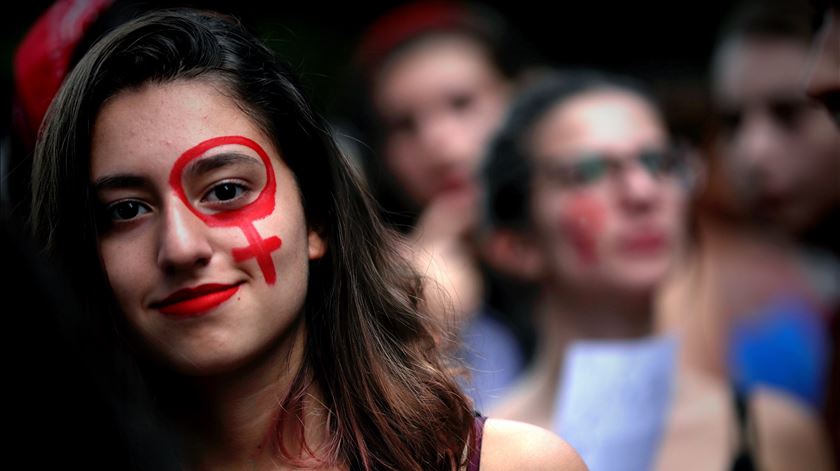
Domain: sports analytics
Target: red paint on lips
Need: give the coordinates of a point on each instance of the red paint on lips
(453, 183)
(191, 302)
(643, 243)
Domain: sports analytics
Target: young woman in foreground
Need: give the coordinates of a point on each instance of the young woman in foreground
(206, 213)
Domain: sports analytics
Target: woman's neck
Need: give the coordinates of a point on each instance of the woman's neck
(228, 419)
(565, 317)
(577, 315)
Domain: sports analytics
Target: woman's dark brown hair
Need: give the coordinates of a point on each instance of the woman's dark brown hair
(390, 400)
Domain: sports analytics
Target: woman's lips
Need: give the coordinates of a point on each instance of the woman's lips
(643, 244)
(451, 182)
(191, 302)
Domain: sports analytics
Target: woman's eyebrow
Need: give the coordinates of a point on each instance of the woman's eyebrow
(118, 181)
(206, 164)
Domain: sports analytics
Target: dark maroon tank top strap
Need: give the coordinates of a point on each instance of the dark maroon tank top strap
(475, 452)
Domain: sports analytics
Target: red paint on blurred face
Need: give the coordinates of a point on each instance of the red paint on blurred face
(621, 232)
(583, 221)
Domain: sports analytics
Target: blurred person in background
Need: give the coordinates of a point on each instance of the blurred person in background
(438, 77)
(50, 49)
(754, 302)
(778, 146)
(823, 82)
(590, 198)
(823, 85)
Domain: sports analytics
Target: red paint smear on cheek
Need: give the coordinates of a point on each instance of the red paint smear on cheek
(244, 217)
(583, 223)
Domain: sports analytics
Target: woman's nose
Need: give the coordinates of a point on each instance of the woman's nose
(757, 144)
(184, 242)
(447, 140)
(638, 187)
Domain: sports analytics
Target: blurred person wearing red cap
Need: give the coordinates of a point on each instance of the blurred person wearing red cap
(47, 53)
(438, 77)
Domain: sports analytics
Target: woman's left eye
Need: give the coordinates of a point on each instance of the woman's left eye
(224, 192)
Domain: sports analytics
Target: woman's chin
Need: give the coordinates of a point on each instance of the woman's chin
(642, 279)
(202, 363)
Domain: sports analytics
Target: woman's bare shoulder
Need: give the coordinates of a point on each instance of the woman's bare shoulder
(788, 432)
(526, 401)
(509, 445)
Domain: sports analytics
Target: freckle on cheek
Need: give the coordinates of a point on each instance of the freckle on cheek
(582, 221)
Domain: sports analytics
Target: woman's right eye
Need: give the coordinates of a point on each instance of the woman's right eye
(405, 124)
(126, 210)
(588, 171)
(461, 101)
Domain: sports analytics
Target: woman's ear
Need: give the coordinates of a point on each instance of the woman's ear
(317, 245)
(512, 253)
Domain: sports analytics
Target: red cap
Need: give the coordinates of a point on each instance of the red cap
(43, 59)
(407, 22)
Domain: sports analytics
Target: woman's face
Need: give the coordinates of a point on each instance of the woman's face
(205, 246)
(779, 148)
(607, 213)
(440, 100)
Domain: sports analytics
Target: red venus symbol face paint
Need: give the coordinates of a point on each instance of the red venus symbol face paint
(258, 247)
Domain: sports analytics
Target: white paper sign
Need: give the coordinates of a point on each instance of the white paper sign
(613, 401)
